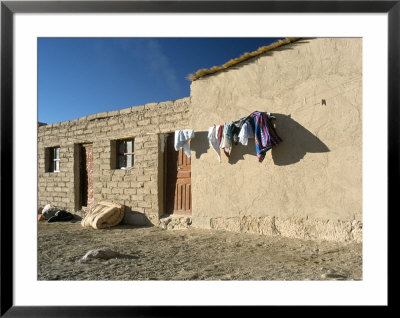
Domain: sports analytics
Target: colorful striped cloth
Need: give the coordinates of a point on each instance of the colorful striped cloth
(265, 136)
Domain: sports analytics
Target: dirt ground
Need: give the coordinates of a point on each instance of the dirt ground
(151, 253)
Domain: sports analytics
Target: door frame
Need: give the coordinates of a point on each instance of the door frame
(165, 177)
(78, 152)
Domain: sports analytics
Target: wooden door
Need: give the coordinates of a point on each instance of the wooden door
(86, 178)
(178, 180)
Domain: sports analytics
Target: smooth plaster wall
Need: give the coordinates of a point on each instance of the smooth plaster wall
(316, 172)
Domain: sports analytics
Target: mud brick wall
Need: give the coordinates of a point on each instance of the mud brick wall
(140, 188)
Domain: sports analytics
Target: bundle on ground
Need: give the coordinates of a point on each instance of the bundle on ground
(104, 215)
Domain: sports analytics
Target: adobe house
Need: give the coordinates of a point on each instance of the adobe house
(116, 156)
(308, 186)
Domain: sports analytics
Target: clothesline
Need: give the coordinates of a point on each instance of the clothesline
(257, 125)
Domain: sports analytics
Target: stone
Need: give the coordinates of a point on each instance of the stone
(333, 276)
(175, 223)
(101, 253)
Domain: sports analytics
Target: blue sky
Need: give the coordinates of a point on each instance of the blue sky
(82, 76)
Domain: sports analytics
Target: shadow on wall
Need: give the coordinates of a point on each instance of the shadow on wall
(297, 141)
(200, 144)
(136, 218)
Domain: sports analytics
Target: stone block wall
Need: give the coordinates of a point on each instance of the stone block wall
(140, 188)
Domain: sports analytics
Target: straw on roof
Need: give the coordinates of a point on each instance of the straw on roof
(244, 57)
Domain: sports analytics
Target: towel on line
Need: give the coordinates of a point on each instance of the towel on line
(182, 138)
(213, 140)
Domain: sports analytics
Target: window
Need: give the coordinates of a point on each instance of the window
(52, 157)
(125, 153)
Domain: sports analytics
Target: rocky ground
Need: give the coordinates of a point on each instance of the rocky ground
(153, 253)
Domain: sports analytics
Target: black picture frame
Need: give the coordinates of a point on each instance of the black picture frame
(8, 8)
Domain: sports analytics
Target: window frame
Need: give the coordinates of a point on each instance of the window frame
(56, 159)
(125, 153)
(52, 157)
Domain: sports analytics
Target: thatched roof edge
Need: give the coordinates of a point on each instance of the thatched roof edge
(203, 72)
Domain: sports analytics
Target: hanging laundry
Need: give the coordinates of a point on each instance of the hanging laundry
(257, 125)
(213, 140)
(228, 131)
(226, 142)
(217, 133)
(182, 138)
(236, 127)
(245, 133)
(220, 136)
(275, 139)
(264, 134)
(220, 130)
